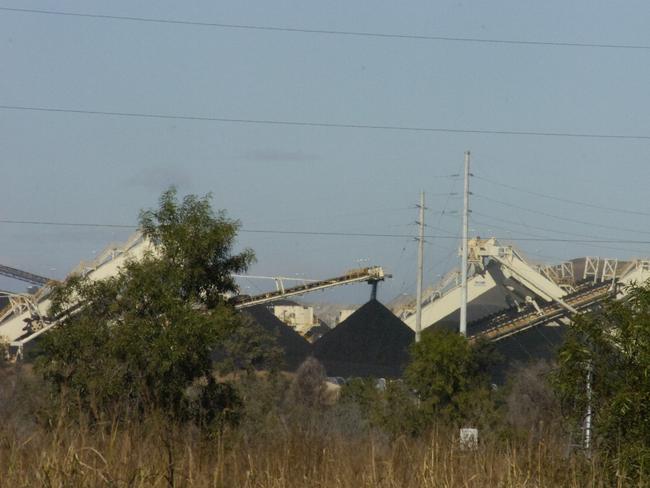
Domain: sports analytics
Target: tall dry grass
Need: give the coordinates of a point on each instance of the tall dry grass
(275, 446)
(152, 453)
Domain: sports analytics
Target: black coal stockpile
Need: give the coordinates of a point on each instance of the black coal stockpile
(370, 342)
(295, 348)
(316, 332)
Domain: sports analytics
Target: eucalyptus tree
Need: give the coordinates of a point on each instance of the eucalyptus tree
(144, 336)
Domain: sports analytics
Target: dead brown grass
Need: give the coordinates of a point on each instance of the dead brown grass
(152, 453)
(272, 448)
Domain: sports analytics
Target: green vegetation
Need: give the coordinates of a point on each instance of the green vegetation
(393, 410)
(615, 345)
(451, 378)
(155, 380)
(142, 337)
(150, 454)
(4, 352)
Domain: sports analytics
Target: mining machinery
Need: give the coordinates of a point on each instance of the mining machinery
(26, 317)
(508, 295)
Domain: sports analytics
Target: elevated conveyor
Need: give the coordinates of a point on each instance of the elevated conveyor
(543, 300)
(20, 325)
(370, 275)
(492, 265)
(441, 305)
(19, 274)
(511, 322)
(587, 296)
(27, 318)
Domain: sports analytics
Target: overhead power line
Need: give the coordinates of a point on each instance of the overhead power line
(67, 224)
(561, 199)
(277, 122)
(558, 217)
(360, 234)
(487, 225)
(534, 227)
(330, 32)
(333, 233)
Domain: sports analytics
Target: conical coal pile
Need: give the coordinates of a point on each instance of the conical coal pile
(294, 347)
(370, 342)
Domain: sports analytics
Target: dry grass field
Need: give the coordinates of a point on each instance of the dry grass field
(275, 444)
(152, 454)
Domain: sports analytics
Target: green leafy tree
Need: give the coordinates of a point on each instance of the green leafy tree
(146, 334)
(451, 378)
(398, 412)
(190, 236)
(614, 343)
(248, 348)
(393, 409)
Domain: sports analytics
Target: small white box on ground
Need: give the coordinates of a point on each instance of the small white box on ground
(468, 439)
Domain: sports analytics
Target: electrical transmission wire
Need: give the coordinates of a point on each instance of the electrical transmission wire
(329, 32)
(561, 199)
(406, 285)
(337, 234)
(295, 123)
(66, 224)
(545, 229)
(340, 215)
(530, 234)
(450, 194)
(333, 233)
(535, 227)
(558, 217)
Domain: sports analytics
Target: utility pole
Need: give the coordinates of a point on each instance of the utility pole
(463, 261)
(418, 304)
(587, 427)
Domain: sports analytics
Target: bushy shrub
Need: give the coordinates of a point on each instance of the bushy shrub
(393, 410)
(532, 408)
(605, 366)
(450, 377)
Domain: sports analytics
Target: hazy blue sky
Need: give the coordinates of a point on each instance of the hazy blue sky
(83, 168)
